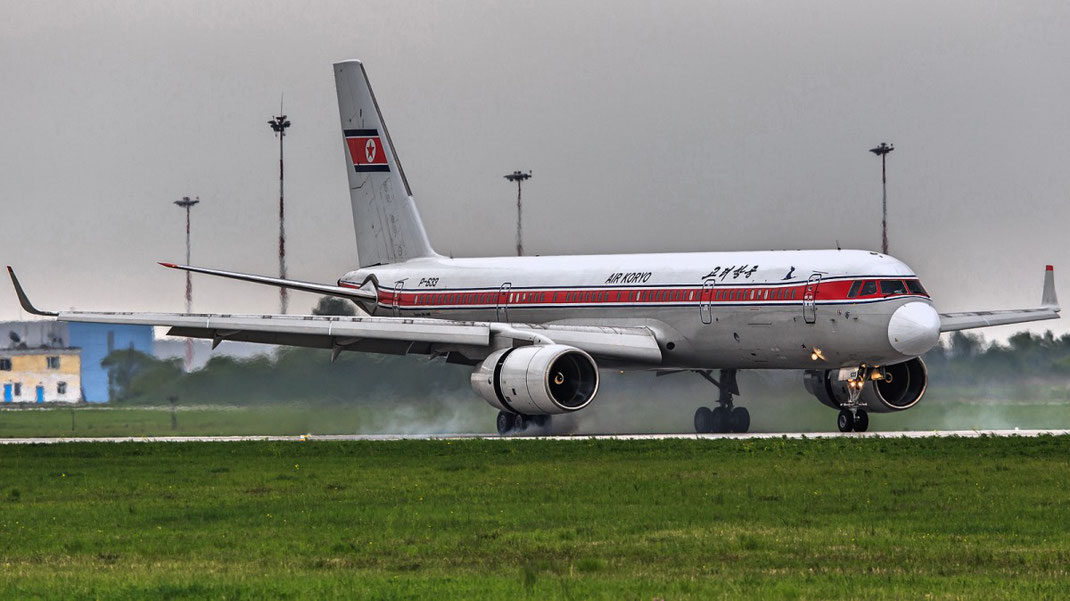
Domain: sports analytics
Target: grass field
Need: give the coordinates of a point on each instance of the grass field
(774, 519)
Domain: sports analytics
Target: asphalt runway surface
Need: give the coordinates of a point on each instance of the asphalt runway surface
(388, 437)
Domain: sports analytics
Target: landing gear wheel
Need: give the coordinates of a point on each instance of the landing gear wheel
(739, 420)
(506, 422)
(720, 421)
(845, 422)
(861, 422)
(703, 420)
(521, 423)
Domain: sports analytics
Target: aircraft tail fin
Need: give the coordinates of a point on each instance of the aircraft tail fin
(385, 218)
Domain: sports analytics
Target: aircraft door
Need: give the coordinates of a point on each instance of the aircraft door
(502, 306)
(396, 300)
(810, 298)
(705, 301)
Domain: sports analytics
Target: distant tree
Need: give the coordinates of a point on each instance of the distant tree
(132, 372)
(332, 305)
(965, 346)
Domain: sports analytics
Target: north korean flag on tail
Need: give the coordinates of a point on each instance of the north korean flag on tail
(367, 150)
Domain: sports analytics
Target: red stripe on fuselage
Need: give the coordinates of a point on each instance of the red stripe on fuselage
(827, 291)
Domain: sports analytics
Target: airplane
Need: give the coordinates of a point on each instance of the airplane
(537, 329)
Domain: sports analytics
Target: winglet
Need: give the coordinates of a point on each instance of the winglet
(1048, 300)
(23, 300)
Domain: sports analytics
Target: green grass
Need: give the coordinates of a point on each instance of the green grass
(711, 519)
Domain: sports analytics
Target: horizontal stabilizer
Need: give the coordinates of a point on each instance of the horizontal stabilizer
(350, 293)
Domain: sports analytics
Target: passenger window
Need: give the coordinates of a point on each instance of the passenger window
(853, 292)
(869, 287)
(889, 287)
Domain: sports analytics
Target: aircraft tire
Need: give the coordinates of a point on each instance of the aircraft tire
(521, 423)
(506, 422)
(721, 420)
(703, 420)
(861, 421)
(845, 422)
(740, 420)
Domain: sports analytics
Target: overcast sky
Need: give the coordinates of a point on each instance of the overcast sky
(661, 126)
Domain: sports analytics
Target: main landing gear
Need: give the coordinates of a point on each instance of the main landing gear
(514, 423)
(723, 418)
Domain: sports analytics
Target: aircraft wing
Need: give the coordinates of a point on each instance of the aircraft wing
(1049, 309)
(460, 341)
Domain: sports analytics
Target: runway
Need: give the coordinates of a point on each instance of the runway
(575, 437)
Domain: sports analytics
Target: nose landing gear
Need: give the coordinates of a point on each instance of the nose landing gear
(857, 420)
(853, 417)
(725, 417)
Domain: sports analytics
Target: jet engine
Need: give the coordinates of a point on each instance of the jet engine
(899, 386)
(537, 380)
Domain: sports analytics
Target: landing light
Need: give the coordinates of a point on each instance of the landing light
(814, 356)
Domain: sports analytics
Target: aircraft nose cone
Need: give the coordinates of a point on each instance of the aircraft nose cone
(914, 328)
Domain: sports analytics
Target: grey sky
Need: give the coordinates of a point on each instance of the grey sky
(662, 126)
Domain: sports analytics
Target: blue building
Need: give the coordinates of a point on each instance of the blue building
(95, 340)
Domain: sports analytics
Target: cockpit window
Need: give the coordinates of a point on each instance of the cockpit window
(853, 292)
(915, 287)
(892, 287)
(868, 288)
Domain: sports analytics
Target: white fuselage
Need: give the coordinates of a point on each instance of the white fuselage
(767, 309)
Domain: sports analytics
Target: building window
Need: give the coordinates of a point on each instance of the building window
(5, 364)
(61, 388)
(53, 362)
(18, 388)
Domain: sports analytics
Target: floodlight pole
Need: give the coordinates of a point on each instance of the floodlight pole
(882, 151)
(519, 177)
(279, 124)
(187, 203)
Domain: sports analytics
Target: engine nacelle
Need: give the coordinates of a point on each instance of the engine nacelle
(537, 380)
(902, 390)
